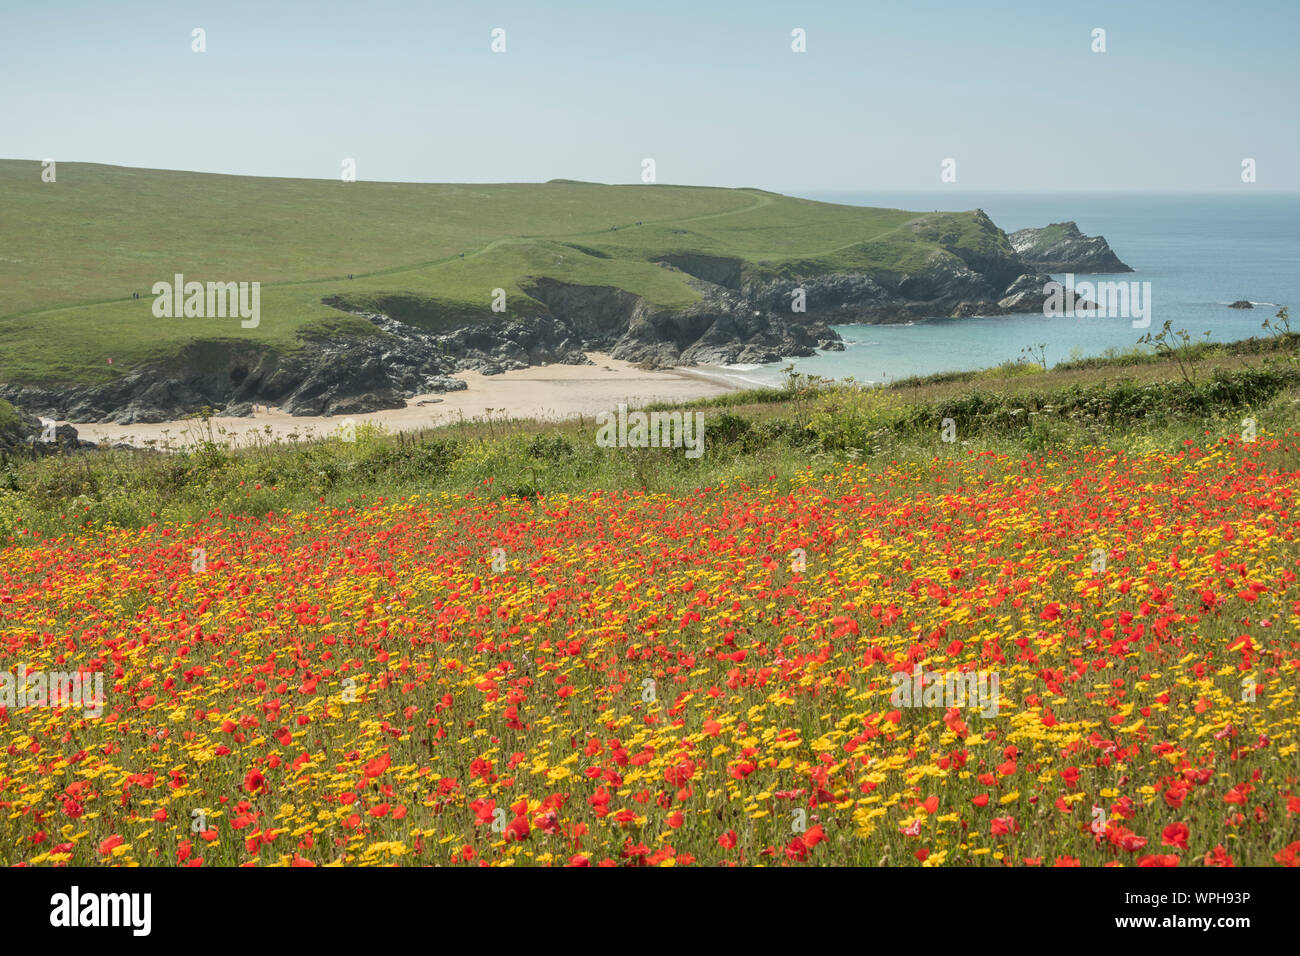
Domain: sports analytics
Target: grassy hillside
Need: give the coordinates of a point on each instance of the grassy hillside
(72, 252)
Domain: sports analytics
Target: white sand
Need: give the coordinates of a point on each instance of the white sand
(544, 393)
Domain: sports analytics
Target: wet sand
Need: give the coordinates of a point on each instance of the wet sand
(543, 393)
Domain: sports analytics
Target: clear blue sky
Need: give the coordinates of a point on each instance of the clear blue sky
(712, 92)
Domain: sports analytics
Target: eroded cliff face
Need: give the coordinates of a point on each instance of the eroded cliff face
(1061, 247)
(738, 318)
(756, 318)
(721, 328)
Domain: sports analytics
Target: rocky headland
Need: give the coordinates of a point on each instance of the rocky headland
(738, 318)
(1061, 247)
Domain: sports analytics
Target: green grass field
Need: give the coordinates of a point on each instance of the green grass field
(72, 252)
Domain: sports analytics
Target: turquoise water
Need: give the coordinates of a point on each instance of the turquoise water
(1199, 252)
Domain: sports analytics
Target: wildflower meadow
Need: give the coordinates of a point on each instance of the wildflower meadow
(733, 675)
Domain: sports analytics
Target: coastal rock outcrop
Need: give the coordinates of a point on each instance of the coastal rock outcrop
(755, 314)
(320, 378)
(22, 433)
(1061, 247)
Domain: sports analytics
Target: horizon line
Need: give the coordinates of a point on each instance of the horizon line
(785, 190)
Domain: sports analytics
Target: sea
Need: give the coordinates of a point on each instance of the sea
(1199, 251)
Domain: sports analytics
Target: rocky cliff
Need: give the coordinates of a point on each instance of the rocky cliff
(743, 315)
(24, 435)
(1061, 247)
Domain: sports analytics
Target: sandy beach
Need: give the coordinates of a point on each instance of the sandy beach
(545, 393)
